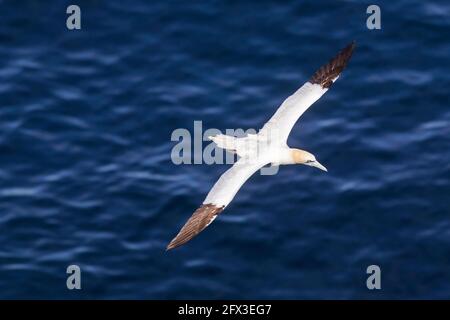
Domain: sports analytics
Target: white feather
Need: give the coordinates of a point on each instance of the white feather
(231, 181)
(281, 123)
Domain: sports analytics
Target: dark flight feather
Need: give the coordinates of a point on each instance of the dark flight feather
(199, 220)
(329, 72)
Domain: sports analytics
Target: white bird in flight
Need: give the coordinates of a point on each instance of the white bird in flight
(268, 146)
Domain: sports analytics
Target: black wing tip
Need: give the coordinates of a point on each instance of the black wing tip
(348, 50)
(171, 246)
(351, 45)
(195, 224)
(328, 73)
(174, 243)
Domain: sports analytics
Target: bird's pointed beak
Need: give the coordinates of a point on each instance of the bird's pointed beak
(318, 165)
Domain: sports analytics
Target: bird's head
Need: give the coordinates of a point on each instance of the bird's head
(304, 157)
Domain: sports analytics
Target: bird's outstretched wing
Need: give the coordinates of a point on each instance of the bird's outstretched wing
(217, 199)
(294, 106)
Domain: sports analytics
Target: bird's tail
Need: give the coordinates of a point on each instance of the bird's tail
(225, 142)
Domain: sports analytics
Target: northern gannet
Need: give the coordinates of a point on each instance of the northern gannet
(268, 146)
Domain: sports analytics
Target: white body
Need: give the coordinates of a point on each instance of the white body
(268, 146)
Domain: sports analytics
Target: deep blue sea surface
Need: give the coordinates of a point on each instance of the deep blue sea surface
(86, 175)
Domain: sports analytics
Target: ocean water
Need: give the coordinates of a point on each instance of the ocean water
(86, 176)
